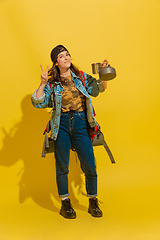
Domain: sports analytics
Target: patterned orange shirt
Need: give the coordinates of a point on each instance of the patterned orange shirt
(72, 98)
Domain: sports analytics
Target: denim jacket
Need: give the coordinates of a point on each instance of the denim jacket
(92, 87)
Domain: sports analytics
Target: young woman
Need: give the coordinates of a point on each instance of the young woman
(70, 122)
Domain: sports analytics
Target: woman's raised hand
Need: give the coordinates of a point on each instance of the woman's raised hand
(44, 76)
(44, 80)
(104, 63)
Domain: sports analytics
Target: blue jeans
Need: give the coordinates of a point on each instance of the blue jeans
(74, 126)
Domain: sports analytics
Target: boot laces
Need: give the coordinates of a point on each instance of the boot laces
(95, 204)
(67, 205)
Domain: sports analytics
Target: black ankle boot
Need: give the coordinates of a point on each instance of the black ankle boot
(94, 209)
(66, 209)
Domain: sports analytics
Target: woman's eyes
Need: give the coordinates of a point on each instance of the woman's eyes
(61, 56)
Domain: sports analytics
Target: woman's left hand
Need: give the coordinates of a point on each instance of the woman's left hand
(104, 64)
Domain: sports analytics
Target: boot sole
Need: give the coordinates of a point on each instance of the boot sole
(94, 215)
(68, 217)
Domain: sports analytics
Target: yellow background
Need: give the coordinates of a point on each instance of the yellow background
(127, 34)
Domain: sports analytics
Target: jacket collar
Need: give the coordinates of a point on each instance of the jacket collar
(74, 75)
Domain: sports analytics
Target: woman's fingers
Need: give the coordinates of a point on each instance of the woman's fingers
(43, 69)
(104, 63)
(47, 69)
(44, 75)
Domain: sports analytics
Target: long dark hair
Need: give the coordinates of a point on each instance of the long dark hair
(54, 72)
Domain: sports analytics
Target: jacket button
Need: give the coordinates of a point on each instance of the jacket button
(56, 126)
(57, 114)
(58, 102)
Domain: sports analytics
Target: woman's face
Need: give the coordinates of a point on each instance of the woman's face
(63, 60)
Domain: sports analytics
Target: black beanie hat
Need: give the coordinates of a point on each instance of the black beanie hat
(55, 51)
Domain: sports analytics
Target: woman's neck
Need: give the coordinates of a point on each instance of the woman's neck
(65, 73)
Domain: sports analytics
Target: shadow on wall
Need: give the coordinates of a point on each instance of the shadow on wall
(38, 178)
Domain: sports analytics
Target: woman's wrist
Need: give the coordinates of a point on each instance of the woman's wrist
(104, 84)
(42, 85)
(39, 92)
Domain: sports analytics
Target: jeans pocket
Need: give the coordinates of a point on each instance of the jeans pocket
(82, 116)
